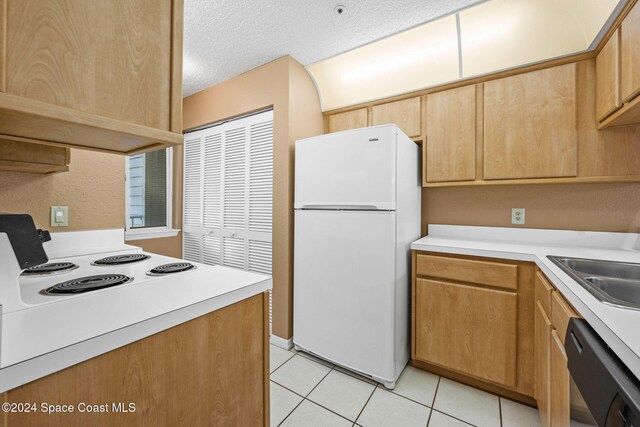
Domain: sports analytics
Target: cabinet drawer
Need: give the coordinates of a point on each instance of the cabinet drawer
(468, 329)
(543, 292)
(468, 270)
(561, 312)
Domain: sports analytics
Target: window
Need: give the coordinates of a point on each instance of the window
(148, 195)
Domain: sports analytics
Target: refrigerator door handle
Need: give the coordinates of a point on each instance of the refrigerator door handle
(340, 207)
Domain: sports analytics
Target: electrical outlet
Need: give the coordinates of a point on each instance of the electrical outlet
(59, 216)
(517, 216)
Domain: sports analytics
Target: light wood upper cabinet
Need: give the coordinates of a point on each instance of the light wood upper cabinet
(530, 125)
(405, 114)
(467, 329)
(104, 75)
(347, 120)
(630, 54)
(451, 135)
(608, 78)
(33, 158)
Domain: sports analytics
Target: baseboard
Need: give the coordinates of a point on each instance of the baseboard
(281, 342)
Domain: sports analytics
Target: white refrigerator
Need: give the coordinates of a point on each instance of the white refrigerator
(357, 210)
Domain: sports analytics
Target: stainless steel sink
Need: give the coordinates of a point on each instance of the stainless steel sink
(611, 282)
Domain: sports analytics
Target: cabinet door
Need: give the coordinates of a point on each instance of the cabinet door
(561, 312)
(543, 330)
(405, 114)
(467, 329)
(69, 54)
(451, 135)
(630, 54)
(559, 389)
(530, 125)
(347, 120)
(608, 78)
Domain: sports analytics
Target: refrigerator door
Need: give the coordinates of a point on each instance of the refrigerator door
(344, 282)
(354, 168)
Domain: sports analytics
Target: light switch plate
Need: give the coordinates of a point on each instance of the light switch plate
(59, 216)
(517, 216)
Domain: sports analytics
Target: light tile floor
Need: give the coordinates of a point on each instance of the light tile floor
(310, 392)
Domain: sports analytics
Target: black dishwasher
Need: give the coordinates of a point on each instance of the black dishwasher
(609, 389)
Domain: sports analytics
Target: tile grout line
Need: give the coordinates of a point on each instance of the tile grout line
(316, 386)
(332, 411)
(441, 412)
(376, 386)
(288, 389)
(311, 401)
(433, 402)
(365, 405)
(380, 386)
(303, 397)
(455, 418)
(283, 363)
(289, 414)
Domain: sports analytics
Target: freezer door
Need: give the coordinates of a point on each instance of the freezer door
(354, 168)
(344, 285)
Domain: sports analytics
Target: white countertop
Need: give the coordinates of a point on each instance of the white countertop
(42, 339)
(618, 327)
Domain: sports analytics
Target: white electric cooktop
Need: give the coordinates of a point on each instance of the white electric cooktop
(33, 288)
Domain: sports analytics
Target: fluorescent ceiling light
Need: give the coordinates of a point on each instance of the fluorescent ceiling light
(420, 57)
(492, 36)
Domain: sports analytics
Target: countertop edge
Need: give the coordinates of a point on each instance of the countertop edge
(630, 358)
(30, 370)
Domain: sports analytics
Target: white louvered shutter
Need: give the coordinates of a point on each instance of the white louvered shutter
(212, 196)
(192, 208)
(228, 194)
(235, 167)
(261, 199)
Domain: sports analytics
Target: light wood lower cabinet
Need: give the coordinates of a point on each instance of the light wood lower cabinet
(543, 331)
(468, 329)
(552, 375)
(473, 320)
(210, 371)
(559, 383)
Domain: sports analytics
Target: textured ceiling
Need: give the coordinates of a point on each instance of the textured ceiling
(224, 38)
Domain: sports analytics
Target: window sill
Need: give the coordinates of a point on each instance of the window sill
(150, 233)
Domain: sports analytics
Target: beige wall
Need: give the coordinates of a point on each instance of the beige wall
(168, 246)
(284, 85)
(595, 207)
(93, 189)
